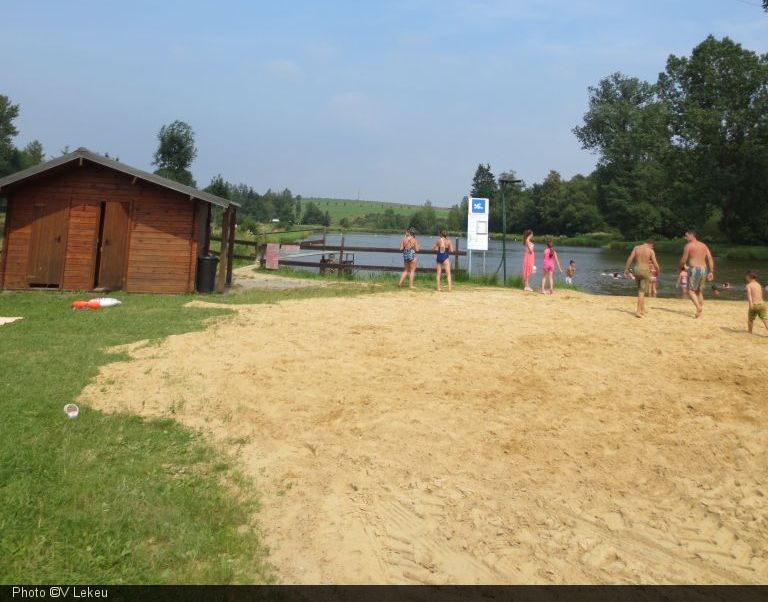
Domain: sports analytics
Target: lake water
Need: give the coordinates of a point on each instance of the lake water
(591, 264)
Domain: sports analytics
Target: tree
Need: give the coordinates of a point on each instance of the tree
(219, 187)
(424, 220)
(284, 206)
(512, 195)
(548, 198)
(8, 112)
(14, 159)
(175, 152)
(626, 125)
(718, 102)
(312, 214)
(484, 186)
(484, 182)
(457, 221)
(250, 225)
(30, 155)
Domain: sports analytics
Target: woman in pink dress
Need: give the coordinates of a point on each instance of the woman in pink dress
(528, 258)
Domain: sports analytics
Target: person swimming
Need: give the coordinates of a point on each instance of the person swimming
(570, 271)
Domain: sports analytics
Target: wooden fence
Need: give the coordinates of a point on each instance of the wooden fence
(343, 250)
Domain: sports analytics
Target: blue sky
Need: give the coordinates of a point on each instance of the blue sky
(391, 100)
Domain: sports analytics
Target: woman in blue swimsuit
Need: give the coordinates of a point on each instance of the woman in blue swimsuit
(409, 246)
(444, 248)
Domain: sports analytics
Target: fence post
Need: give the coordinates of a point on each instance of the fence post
(221, 277)
(263, 251)
(341, 253)
(456, 256)
(231, 246)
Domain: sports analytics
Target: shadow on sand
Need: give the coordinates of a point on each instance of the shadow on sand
(688, 314)
(743, 331)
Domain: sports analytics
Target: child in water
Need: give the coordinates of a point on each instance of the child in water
(570, 271)
(653, 281)
(682, 281)
(757, 308)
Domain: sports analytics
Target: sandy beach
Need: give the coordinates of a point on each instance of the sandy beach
(482, 436)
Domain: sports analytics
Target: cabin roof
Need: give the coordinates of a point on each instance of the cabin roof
(83, 154)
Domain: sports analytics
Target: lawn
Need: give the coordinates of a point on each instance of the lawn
(113, 498)
(349, 208)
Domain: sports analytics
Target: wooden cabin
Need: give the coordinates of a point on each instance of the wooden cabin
(85, 222)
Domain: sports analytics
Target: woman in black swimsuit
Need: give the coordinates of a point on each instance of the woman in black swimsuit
(444, 249)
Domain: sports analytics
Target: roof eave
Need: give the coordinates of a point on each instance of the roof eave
(83, 153)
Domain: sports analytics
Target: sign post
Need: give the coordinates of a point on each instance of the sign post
(478, 210)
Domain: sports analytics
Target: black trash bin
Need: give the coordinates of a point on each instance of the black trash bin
(206, 273)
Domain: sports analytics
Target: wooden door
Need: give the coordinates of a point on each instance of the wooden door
(112, 245)
(48, 243)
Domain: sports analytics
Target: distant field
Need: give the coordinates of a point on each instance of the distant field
(350, 208)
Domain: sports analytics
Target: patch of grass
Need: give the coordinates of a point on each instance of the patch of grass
(108, 498)
(264, 295)
(349, 208)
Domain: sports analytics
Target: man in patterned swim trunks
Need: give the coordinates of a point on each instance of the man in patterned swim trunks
(701, 268)
(645, 258)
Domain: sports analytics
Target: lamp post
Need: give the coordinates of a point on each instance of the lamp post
(504, 179)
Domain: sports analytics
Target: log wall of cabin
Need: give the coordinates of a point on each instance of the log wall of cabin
(162, 245)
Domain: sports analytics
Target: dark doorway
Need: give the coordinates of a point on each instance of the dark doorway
(111, 246)
(48, 244)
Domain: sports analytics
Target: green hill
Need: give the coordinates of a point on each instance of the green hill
(350, 208)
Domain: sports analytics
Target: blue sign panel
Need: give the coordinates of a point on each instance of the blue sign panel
(478, 205)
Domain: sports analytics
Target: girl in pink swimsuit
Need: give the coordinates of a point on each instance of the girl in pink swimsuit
(528, 258)
(548, 268)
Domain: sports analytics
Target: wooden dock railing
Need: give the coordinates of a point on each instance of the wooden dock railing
(259, 250)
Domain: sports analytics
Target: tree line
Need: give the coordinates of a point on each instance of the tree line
(687, 151)
(12, 158)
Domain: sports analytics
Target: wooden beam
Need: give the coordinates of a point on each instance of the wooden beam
(6, 230)
(207, 244)
(221, 277)
(231, 246)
